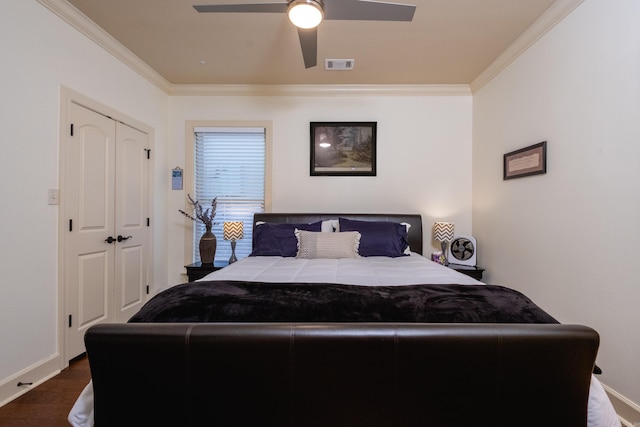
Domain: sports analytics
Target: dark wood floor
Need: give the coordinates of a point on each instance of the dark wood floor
(48, 404)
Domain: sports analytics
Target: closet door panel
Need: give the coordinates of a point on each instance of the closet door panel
(131, 220)
(89, 194)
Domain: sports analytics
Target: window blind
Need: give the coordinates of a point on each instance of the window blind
(229, 165)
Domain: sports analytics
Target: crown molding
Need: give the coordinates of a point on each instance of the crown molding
(80, 22)
(549, 19)
(320, 90)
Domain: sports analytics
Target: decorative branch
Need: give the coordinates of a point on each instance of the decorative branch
(205, 216)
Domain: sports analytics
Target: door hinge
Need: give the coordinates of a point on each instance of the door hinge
(148, 222)
(148, 150)
(71, 129)
(70, 320)
(70, 225)
(147, 289)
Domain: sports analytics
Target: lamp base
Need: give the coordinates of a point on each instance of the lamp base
(233, 252)
(444, 253)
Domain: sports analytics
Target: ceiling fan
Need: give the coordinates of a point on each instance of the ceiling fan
(307, 15)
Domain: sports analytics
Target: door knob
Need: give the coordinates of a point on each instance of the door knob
(109, 239)
(120, 238)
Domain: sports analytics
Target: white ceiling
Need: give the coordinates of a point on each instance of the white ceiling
(448, 41)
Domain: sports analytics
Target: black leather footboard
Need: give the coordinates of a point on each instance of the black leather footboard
(341, 374)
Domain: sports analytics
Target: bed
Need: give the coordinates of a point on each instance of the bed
(338, 320)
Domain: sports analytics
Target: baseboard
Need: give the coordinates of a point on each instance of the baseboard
(628, 411)
(34, 375)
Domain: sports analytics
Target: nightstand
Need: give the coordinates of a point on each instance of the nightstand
(198, 270)
(469, 270)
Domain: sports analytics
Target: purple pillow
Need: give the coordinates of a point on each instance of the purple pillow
(378, 238)
(271, 239)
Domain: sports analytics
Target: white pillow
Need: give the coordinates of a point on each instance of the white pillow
(327, 245)
(330, 225)
(407, 226)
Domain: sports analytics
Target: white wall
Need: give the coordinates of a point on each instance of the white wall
(567, 239)
(423, 150)
(40, 54)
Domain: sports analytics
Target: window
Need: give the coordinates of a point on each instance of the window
(230, 163)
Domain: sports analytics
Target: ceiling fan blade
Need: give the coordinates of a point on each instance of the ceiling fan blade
(309, 45)
(243, 8)
(363, 10)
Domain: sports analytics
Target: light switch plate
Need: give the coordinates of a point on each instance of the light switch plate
(52, 196)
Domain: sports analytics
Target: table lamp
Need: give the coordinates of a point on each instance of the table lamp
(233, 230)
(443, 233)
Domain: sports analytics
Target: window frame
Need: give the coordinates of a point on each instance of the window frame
(189, 169)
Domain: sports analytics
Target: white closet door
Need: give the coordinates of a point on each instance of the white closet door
(107, 242)
(89, 200)
(131, 215)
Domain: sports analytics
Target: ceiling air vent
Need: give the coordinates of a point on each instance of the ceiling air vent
(338, 64)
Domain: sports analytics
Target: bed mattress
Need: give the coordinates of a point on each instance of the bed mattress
(370, 271)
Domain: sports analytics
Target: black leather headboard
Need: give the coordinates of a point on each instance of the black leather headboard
(415, 231)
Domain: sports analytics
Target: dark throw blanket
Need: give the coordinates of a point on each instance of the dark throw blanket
(235, 301)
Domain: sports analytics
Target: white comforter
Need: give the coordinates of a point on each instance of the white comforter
(370, 271)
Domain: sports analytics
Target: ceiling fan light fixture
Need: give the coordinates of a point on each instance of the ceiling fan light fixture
(306, 13)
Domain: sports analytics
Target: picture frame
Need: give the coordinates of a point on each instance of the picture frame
(531, 160)
(343, 148)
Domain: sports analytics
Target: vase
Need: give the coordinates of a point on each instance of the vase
(208, 246)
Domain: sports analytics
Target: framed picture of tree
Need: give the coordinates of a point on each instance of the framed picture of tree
(343, 148)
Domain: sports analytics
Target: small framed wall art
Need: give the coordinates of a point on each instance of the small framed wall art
(526, 161)
(343, 148)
